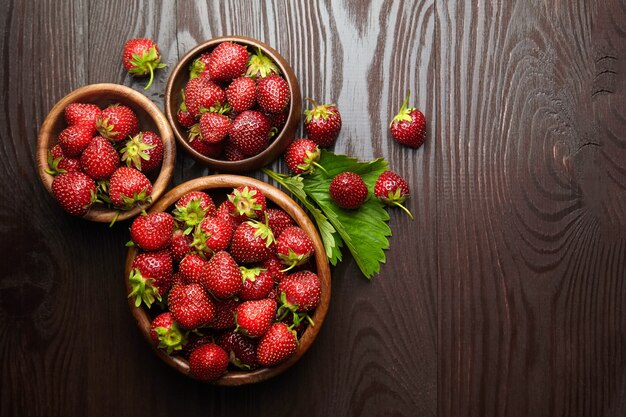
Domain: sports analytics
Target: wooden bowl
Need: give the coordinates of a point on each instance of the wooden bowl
(150, 119)
(179, 77)
(224, 184)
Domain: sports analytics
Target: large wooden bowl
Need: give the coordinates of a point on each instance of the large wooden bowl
(221, 185)
(179, 77)
(150, 119)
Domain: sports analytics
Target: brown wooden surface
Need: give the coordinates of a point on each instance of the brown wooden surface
(505, 297)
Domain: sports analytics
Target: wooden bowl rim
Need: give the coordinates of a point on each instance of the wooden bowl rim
(98, 214)
(278, 144)
(211, 182)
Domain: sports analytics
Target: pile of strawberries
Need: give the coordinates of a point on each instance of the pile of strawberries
(102, 157)
(234, 102)
(234, 284)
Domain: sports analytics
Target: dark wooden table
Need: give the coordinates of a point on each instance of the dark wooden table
(505, 296)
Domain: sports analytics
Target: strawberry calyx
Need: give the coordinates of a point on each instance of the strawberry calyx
(261, 65)
(183, 106)
(53, 165)
(191, 215)
(250, 274)
(142, 289)
(171, 339)
(237, 362)
(217, 108)
(106, 129)
(263, 231)
(198, 243)
(319, 111)
(245, 202)
(293, 259)
(396, 198)
(135, 150)
(136, 200)
(197, 68)
(194, 133)
(309, 162)
(404, 114)
(146, 63)
(286, 307)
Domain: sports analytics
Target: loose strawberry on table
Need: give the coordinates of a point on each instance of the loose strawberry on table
(141, 57)
(392, 190)
(322, 123)
(408, 127)
(348, 190)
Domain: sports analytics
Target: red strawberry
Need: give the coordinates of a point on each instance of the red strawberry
(240, 349)
(204, 147)
(274, 267)
(279, 343)
(260, 65)
(183, 116)
(248, 202)
(194, 341)
(255, 317)
(322, 123)
(58, 163)
(241, 94)
(348, 190)
(225, 314)
(82, 114)
(117, 122)
(252, 242)
(278, 220)
(278, 120)
(166, 334)
(299, 292)
(75, 192)
(192, 267)
(141, 57)
(129, 187)
(250, 132)
(392, 190)
(208, 362)
(179, 278)
(408, 127)
(190, 306)
(222, 276)
(294, 247)
(152, 231)
(205, 201)
(228, 60)
(74, 139)
(200, 66)
(214, 127)
(225, 212)
(257, 283)
(232, 153)
(302, 155)
(192, 208)
(273, 93)
(202, 94)
(144, 151)
(180, 245)
(150, 277)
(99, 159)
(213, 235)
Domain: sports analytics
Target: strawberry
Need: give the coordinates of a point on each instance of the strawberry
(58, 163)
(250, 132)
(273, 93)
(99, 159)
(206, 202)
(274, 267)
(75, 192)
(408, 127)
(240, 349)
(208, 362)
(180, 245)
(225, 212)
(260, 65)
(222, 276)
(348, 190)
(278, 344)
(117, 122)
(129, 187)
(194, 341)
(322, 123)
(278, 220)
(183, 116)
(192, 267)
(179, 278)
(82, 114)
(299, 292)
(213, 235)
(252, 242)
(225, 314)
(74, 139)
(232, 153)
(214, 127)
(203, 94)
(241, 94)
(200, 66)
(228, 60)
(278, 120)
(144, 151)
(248, 202)
(190, 306)
(392, 190)
(152, 231)
(192, 208)
(302, 156)
(150, 277)
(257, 283)
(166, 334)
(294, 247)
(204, 147)
(141, 57)
(254, 318)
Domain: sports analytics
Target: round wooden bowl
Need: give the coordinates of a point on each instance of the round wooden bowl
(150, 119)
(179, 77)
(222, 184)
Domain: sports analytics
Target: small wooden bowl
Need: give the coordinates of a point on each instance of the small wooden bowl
(225, 183)
(179, 77)
(150, 119)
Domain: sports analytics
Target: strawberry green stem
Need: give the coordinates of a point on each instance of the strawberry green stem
(151, 69)
(406, 210)
(321, 167)
(309, 99)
